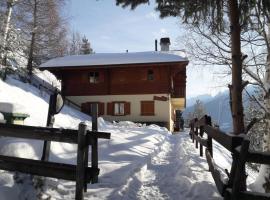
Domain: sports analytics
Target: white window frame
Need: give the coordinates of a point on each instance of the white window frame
(119, 108)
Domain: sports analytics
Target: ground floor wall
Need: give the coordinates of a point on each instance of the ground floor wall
(163, 109)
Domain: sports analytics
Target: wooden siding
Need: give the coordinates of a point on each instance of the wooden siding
(124, 80)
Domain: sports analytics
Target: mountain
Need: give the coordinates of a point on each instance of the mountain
(204, 98)
(218, 107)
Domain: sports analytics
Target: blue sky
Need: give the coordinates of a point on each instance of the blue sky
(111, 28)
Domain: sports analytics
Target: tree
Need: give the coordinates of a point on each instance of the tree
(213, 14)
(85, 47)
(5, 29)
(44, 28)
(75, 44)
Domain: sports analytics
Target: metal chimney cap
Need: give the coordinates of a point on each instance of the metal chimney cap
(165, 40)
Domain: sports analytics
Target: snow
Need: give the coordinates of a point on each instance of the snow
(101, 59)
(138, 162)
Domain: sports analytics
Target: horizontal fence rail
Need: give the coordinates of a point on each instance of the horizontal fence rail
(235, 186)
(80, 172)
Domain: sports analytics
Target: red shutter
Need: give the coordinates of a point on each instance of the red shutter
(147, 108)
(86, 108)
(100, 108)
(110, 108)
(127, 108)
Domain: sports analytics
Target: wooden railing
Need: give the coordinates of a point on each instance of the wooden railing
(235, 187)
(81, 173)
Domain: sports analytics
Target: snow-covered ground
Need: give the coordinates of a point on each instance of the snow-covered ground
(138, 162)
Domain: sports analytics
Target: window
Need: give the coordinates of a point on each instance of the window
(150, 75)
(147, 108)
(87, 108)
(119, 108)
(93, 77)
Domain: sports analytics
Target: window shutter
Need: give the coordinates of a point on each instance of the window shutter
(100, 108)
(147, 108)
(127, 108)
(110, 109)
(86, 108)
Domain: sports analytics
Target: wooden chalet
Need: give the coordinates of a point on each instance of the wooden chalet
(141, 87)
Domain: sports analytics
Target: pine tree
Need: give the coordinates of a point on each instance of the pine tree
(85, 46)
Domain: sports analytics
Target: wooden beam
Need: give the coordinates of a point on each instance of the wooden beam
(94, 156)
(80, 168)
(49, 134)
(43, 168)
(247, 195)
(259, 157)
(239, 183)
(215, 172)
(228, 141)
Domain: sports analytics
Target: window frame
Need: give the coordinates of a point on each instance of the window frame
(150, 75)
(95, 76)
(120, 111)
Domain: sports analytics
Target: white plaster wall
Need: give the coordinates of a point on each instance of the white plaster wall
(162, 108)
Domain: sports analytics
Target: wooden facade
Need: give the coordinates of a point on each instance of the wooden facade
(140, 92)
(124, 80)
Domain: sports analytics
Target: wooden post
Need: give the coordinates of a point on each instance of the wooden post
(47, 144)
(80, 168)
(196, 133)
(94, 157)
(209, 139)
(201, 135)
(239, 183)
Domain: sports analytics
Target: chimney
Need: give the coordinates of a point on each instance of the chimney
(165, 44)
(155, 44)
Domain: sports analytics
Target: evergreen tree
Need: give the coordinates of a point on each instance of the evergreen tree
(85, 46)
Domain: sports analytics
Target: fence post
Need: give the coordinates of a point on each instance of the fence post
(47, 144)
(201, 134)
(209, 139)
(239, 183)
(94, 157)
(80, 169)
(196, 133)
(193, 131)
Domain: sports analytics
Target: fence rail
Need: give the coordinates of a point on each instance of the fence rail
(80, 172)
(235, 187)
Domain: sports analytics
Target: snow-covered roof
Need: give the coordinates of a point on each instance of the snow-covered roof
(101, 59)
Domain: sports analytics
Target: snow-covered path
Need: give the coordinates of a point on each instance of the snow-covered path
(175, 172)
(138, 162)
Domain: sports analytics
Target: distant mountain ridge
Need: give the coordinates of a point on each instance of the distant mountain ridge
(218, 107)
(204, 98)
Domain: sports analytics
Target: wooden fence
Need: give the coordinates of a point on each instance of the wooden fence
(81, 173)
(235, 187)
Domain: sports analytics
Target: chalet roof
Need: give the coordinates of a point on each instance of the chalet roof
(101, 59)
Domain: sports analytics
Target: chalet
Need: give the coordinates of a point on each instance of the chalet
(140, 87)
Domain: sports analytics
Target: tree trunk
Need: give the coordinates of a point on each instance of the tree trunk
(33, 38)
(236, 88)
(6, 29)
(237, 106)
